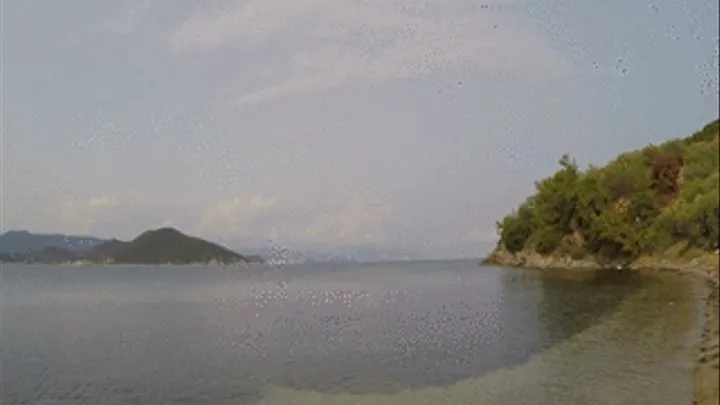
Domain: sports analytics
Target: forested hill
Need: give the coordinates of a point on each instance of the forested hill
(22, 242)
(163, 246)
(159, 246)
(658, 200)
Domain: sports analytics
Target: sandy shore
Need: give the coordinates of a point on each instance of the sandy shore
(706, 376)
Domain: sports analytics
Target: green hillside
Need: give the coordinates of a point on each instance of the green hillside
(660, 200)
(163, 246)
(160, 246)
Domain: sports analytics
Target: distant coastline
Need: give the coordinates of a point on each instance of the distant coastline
(146, 265)
(159, 247)
(703, 265)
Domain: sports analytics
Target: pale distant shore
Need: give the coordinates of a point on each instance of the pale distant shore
(90, 264)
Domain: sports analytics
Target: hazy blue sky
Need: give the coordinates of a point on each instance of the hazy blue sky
(392, 122)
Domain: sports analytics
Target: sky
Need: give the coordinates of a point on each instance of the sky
(412, 124)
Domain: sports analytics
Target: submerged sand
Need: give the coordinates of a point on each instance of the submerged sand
(637, 354)
(706, 377)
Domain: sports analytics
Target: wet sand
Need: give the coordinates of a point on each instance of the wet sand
(706, 377)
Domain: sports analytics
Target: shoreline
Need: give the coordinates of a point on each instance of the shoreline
(706, 353)
(92, 264)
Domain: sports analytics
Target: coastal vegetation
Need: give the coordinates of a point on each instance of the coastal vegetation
(660, 201)
(161, 246)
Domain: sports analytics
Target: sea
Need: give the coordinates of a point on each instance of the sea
(425, 332)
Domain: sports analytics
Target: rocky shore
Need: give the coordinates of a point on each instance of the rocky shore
(706, 376)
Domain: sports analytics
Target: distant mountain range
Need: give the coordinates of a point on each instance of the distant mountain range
(167, 245)
(20, 242)
(160, 246)
(360, 253)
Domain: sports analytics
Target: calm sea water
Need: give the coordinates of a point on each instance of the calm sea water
(407, 333)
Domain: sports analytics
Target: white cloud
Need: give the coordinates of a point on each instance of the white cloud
(236, 216)
(259, 218)
(339, 42)
(99, 202)
(253, 23)
(79, 216)
(133, 15)
(362, 220)
(478, 235)
(168, 224)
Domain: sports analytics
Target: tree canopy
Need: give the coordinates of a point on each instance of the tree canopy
(640, 203)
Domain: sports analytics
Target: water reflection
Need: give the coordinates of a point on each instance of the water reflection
(572, 301)
(381, 331)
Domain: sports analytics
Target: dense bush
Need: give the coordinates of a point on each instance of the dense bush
(641, 203)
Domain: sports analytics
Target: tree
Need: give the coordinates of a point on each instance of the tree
(516, 229)
(665, 174)
(642, 202)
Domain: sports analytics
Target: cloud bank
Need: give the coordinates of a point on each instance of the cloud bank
(333, 43)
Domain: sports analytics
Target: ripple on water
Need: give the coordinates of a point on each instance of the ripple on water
(636, 354)
(414, 335)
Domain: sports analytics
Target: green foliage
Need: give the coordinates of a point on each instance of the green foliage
(556, 201)
(641, 203)
(708, 133)
(702, 160)
(701, 219)
(547, 240)
(516, 229)
(162, 246)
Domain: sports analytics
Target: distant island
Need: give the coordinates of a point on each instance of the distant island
(24, 241)
(160, 246)
(655, 207)
(24, 246)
